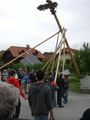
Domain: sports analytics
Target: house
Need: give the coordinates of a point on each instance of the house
(65, 54)
(15, 51)
(47, 55)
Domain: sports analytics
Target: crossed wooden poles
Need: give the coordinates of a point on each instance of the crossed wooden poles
(63, 30)
(58, 48)
(52, 5)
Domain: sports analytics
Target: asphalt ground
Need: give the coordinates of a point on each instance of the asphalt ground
(73, 110)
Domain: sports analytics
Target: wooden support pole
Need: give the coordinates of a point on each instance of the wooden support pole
(51, 58)
(55, 55)
(63, 65)
(59, 57)
(28, 51)
(58, 62)
(60, 28)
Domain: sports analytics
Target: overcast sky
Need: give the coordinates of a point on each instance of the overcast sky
(22, 23)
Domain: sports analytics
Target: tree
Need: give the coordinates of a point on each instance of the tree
(83, 59)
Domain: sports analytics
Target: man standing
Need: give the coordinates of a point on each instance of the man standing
(66, 88)
(40, 98)
(60, 91)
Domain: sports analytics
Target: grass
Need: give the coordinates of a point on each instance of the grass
(74, 84)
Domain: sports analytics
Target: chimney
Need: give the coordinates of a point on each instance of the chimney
(27, 47)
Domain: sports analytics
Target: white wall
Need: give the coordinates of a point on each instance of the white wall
(85, 83)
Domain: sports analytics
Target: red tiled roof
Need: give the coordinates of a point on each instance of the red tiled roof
(16, 51)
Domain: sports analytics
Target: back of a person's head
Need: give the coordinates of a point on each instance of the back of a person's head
(40, 75)
(32, 77)
(12, 73)
(8, 99)
(86, 115)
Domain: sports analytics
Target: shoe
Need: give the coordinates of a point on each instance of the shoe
(61, 106)
(64, 102)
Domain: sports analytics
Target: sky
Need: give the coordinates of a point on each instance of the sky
(21, 23)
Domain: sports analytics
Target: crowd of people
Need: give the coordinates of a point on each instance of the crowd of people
(42, 93)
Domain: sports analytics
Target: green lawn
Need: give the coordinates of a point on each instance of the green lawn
(74, 84)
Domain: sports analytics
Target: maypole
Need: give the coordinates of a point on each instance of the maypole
(52, 5)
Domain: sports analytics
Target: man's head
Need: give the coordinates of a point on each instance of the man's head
(12, 73)
(40, 75)
(86, 115)
(8, 99)
(66, 77)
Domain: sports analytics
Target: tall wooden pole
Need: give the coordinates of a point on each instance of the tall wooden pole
(27, 51)
(74, 62)
(52, 68)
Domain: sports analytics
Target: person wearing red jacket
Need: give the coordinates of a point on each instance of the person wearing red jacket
(12, 80)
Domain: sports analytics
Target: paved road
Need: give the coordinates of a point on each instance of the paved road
(71, 111)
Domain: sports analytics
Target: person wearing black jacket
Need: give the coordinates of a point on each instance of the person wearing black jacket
(60, 91)
(66, 88)
(40, 98)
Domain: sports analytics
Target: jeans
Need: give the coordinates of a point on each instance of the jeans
(60, 95)
(65, 96)
(42, 117)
